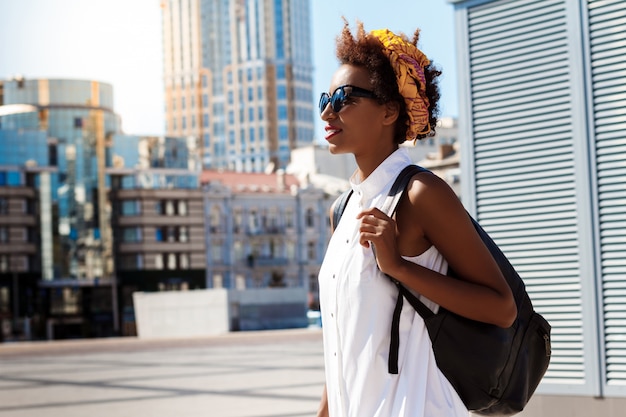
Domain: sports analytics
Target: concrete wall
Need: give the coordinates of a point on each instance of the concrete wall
(181, 313)
(214, 311)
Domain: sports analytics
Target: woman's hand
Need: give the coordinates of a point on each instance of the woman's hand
(379, 230)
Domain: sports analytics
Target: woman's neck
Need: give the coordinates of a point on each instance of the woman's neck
(366, 164)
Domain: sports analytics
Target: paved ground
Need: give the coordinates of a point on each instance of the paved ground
(244, 374)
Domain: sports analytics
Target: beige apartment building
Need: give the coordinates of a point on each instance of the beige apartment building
(264, 230)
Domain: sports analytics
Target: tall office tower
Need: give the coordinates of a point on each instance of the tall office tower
(238, 75)
(66, 163)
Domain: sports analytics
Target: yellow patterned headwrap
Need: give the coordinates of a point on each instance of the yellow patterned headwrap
(408, 63)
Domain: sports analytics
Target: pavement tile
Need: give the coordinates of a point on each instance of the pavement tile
(243, 374)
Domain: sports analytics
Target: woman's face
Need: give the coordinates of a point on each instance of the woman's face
(357, 124)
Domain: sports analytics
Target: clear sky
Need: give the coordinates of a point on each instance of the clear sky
(119, 42)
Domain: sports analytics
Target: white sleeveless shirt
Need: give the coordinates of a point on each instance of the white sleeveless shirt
(357, 303)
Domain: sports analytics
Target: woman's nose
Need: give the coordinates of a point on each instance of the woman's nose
(327, 112)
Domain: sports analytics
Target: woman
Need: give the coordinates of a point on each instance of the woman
(385, 92)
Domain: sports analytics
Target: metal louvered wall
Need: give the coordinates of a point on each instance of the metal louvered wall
(607, 45)
(527, 134)
(545, 168)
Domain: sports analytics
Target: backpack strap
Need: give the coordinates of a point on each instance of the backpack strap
(339, 206)
(389, 207)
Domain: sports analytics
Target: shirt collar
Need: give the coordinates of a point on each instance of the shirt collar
(377, 180)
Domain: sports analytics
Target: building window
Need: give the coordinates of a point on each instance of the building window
(215, 219)
(169, 208)
(216, 252)
(182, 207)
(253, 222)
(130, 208)
(183, 261)
(31, 207)
(272, 220)
(281, 92)
(131, 262)
(311, 252)
(289, 218)
(238, 251)
(183, 234)
(4, 234)
(238, 221)
(52, 154)
(158, 261)
(170, 232)
(131, 234)
(240, 282)
(4, 205)
(310, 218)
(171, 261)
(4, 300)
(290, 251)
(31, 235)
(280, 72)
(4, 263)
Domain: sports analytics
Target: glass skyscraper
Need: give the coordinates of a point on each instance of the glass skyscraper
(239, 76)
(54, 135)
(67, 177)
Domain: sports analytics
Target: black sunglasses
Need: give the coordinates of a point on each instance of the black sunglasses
(341, 95)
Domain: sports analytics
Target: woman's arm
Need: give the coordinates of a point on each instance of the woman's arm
(430, 213)
(323, 408)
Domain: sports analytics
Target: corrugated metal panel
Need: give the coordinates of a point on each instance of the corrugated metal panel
(607, 23)
(523, 154)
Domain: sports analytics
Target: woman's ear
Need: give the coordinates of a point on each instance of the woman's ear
(392, 111)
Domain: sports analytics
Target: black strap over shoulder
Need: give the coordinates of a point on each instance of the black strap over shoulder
(339, 207)
(389, 207)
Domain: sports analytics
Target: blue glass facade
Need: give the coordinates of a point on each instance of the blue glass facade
(150, 162)
(63, 164)
(64, 135)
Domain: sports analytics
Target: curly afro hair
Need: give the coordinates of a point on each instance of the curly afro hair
(367, 52)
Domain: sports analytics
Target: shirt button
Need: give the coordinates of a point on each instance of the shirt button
(334, 276)
(332, 315)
